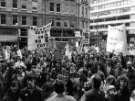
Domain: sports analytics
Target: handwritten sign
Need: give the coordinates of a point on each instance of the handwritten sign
(38, 37)
(117, 39)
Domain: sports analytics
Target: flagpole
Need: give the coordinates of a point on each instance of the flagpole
(18, 42)
(18, 34)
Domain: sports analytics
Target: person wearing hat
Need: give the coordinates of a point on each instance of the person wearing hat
(111, 93)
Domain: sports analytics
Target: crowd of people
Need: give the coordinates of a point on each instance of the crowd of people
(38, 76)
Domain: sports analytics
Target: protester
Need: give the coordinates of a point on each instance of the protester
(61, 96)
(94, 94)
(30, 75)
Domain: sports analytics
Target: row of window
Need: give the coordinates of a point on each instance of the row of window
(84, 24)
(65, 24)
(101, 1)
(23, 4)
(84, 11)
(84, 1)
(109, 12)
(106, 26)
(53, 5)
(70, 0)
(112, 4)
(15, 19)
(34, 21)
(111, 19)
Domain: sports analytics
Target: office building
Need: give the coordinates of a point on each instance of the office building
(111, 12)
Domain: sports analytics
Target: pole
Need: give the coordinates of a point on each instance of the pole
(18, 34)
(45, 12)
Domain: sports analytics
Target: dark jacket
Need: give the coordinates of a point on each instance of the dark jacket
(94, 95)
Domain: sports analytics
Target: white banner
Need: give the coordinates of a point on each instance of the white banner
(116, 39)
(38, 37)
(131, 52)
(77, 34)
(68, 51)
(31, 38)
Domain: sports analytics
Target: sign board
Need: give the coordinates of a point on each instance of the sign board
(86, 41)
(38, 37)
(77, 34)
(116, 39)
(57, 55)
(131, 52)
(68, 51)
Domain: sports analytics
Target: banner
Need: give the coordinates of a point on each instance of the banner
(68, 51)
(131, 52)
(38, 37)
(116, 39)
(80, 50)
(52, 44)
(77, 34)
(31, 38)
(7, 54)
(131, 49)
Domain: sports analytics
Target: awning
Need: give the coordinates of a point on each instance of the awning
(8, 38)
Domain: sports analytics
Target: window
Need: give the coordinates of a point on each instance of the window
(58, 7)
(2, 3)
(127, 24)
(58, 24)
(72, 25)
(23, 32)
(24, 4)
(82, 11)
(86, 11)
(52, 22)
(83, 24)
(34, 20)
(51, 6)
(65, 24)
(3, 19)
(34, 4)
(70, 0)
(14, 4)
(24, 20)
(14, 19)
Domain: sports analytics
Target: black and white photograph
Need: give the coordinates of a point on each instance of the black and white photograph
(67, 50)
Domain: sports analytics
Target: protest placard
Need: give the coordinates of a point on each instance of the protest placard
(38, 37)
(117, 39)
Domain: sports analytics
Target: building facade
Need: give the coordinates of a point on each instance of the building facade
(111, 12)
(66, 16)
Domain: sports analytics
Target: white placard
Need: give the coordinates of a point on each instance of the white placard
(38, 37)
(116, 39)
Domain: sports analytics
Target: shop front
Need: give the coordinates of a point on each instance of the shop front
(8, 36)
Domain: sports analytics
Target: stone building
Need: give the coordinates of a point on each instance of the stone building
(67, 16)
